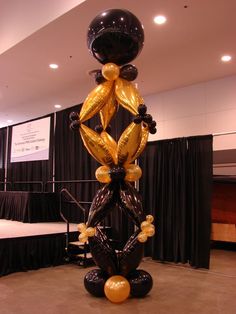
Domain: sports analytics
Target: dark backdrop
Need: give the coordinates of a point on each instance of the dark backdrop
(3, 133)
(176, 189)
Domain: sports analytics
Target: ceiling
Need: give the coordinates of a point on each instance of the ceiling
(184, 51)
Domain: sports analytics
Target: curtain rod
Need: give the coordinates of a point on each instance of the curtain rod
(224, 133)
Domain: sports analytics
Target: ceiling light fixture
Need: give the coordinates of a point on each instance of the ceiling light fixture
(53, 66)
(160, 19)
(226, 58)
(57, 106)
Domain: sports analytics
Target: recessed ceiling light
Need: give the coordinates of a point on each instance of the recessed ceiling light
(226, 58)
(57, 106)
(53, 66)
(9, 121)
(160, 19)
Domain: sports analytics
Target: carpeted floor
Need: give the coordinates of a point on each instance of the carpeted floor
(177, 290)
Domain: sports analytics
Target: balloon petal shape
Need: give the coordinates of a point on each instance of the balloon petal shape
(108, 110)
(131, 256)
(96, 99)
(145, 134)
(111, 143)
(131, 203)
(129, 143)
(103, 255)
(96, 145)
(102, 204)
(140, 282)
(94, 282)
(127, 95)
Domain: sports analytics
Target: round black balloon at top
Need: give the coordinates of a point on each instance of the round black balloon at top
(116, 36)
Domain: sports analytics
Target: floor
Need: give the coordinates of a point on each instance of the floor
(14, 229)
(177, 290)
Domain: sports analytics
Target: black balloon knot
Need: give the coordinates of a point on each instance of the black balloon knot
(117, 173)
(128, 72)
(75, 122)
(98, 128)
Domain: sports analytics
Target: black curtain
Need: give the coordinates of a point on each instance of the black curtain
(3, 134)
(176, 190)
(39, 170)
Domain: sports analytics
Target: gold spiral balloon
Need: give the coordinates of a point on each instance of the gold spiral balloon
(127, 95)
(96, 145)
(108, 110)
(95, 100)
(145, 134)
(111, 143)
(129, 143)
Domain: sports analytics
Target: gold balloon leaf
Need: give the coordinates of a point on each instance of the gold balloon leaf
(129, 143)
(111, 143)
(96, 99)
(127, 95)
(96, 145)
(145, 133)
(108, 110)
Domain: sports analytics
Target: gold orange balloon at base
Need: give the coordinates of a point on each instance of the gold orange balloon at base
(117, 289)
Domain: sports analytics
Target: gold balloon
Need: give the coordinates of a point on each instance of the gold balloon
(145, 133)
(127, 95)
(90, 231)
(150, 231)
(81, 227)
(110, 71)
(117, 289)
(102, 174)
(108, 110)
(150, 218)
(142, 237)
(145, 225)
(133, 172)
(83, 237)
(111, 143)
(129, 143)
(95, 100)
(95, 145)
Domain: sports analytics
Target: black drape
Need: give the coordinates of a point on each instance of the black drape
(3, 133)
(176, 190)
(39, 170)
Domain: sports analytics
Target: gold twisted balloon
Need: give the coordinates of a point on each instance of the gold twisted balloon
(108, 110)
(127, 95)
(129, 143)
(145, 133)
(95, 100)
(111, 143)
(96, 145)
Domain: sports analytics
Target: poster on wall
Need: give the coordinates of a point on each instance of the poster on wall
(30, 141)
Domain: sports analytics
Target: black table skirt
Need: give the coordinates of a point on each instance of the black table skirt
(29, 206)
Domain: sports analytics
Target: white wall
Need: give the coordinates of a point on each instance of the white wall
(199, 109)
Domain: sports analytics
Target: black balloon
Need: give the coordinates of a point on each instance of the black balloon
(94, 282)
(99, 78)
(116, 36)
(103, 254)
(129, 72)
(131, 255)
(140, 283)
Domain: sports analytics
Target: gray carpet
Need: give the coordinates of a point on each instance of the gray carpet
(177, 290)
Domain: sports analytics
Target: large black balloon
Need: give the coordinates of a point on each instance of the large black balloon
(116, 36)
(140, 283)
(94, 282)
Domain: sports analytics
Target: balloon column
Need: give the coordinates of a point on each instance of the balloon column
(115, 37)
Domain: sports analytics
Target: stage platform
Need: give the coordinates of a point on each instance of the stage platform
(25, 246)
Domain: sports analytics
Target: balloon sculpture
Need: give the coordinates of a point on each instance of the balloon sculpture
(115, 37)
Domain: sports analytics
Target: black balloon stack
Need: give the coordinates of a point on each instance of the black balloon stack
(115, 38)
